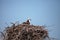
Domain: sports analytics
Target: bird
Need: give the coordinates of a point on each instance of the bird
(27, 22)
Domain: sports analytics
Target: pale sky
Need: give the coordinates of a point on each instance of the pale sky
(40, 11)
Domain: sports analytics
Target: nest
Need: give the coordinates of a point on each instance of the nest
(25, 31)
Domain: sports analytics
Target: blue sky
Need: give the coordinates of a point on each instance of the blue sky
(40, 11)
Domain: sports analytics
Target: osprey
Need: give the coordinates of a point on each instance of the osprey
(27, 22)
